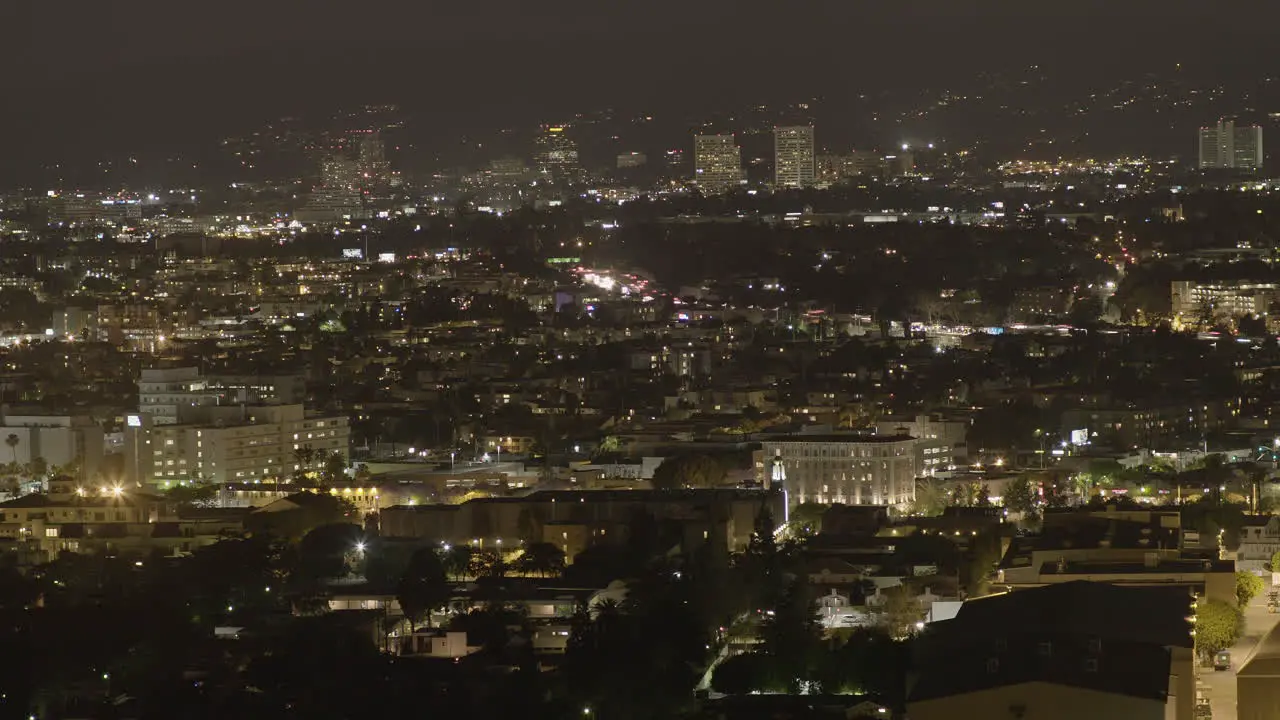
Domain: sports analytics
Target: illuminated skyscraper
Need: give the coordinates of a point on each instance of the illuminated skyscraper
(1227, 147)
(557, 155)
(793, 156)
(371, 157)
(717, 162)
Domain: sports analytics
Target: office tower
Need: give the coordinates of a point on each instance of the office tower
(717, 163)
(338, 195)
(793, 156)
(557, 155)
(1228, 147)
(371, 160)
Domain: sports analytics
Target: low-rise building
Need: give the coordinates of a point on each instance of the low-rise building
(573, 519)
(1080, 649)
(1259, 540)
(847, 468)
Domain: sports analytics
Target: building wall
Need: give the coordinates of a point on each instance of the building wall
(723, 519)
(61, 440)
(1257, 545)
(793, 156)
(1041, 701)
(717, 163)
(851, 472)
(1257, 698)
(249, 444)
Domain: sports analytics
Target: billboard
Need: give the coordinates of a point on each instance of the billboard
(1080, 437)
(353, 254)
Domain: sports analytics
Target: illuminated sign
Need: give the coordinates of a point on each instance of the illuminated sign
(353, 253)
(386, 257)
(134, 421)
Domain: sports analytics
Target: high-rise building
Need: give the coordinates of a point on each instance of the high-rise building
(339, 193)
(793, 156)
(1227, 147)
(373, 169)
(717, 161)
(557, 155)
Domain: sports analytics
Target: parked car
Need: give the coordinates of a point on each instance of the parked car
(1222, 661)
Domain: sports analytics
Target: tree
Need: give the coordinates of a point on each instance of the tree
(931, 499)
(324, 552)
(1275, 561)
(423, 586)
(983, 498)
(1218, 626)
(334, 468)
(1020, 496)
(901, 612)
(542, 558)
(457, 561)
(741, 674)
(1251, 325)
(806, 518)
(302, 457)
(1248, 586)
(688, 471)
(13, 441)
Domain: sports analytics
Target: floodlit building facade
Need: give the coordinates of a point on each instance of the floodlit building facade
(851, 468)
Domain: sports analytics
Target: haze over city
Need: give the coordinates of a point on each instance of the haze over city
(639, 361)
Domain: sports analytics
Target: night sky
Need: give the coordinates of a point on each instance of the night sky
(82, 75)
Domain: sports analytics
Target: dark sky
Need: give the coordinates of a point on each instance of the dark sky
(85, 74)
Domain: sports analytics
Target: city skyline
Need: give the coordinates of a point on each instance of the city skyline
(237, 72)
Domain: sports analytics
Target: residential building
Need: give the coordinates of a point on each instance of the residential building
(832, 168)
(1259, 540)
(939, 443)
(848, 468)
(793, 156)
(78, 517)
(1076, 650)
(1158, 427)
(1226, 146)
(1038, 303)
(228, 444)
(1137, 548)
(717, 161)
(168, 394)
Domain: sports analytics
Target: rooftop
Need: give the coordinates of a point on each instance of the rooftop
(1265, 660)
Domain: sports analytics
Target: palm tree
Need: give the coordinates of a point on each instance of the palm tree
(303, 456)
(13, 441)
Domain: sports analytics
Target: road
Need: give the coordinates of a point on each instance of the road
(1221, 685)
